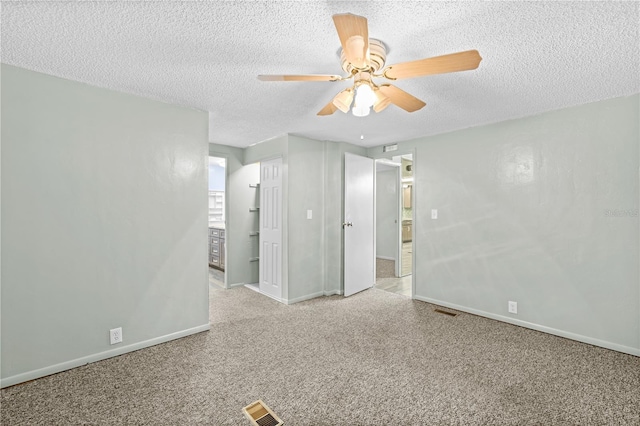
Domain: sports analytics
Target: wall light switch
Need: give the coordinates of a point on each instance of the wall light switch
(434, 213)
(309, 214)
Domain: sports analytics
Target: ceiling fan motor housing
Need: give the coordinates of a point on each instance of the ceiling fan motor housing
(377, 56)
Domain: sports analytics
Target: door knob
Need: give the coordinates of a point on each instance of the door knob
(347, 224)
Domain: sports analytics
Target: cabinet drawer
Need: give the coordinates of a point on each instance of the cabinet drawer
(213, 232)
(214, 250)
(222, 233)
(214, 260)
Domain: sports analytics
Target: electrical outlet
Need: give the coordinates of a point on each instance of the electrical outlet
(115, 335)
(309, 214)
(434, 213)
(513, 307)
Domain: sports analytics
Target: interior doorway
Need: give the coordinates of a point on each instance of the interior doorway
(217, 221)
(394, 224)
(406, 181)
(266, 234)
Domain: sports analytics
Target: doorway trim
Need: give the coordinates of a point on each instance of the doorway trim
(399, 204)
(226, 205)
(414, 199)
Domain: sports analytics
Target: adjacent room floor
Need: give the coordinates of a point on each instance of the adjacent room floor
(386, 279)
(407, 258)
(216, 277)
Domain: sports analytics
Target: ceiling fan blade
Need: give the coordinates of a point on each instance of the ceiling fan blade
(461, 61)
(354, 37)
(401, 98)
(302, 77)
(329, 109)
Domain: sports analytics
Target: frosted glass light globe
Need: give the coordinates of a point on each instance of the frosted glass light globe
(360, 110)
(365, 95)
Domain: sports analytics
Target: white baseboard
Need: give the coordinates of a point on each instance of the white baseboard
(277, 299)
(313, 296)
(254, 287)
(566, 334)
(235, 285)
(67, 365)
(386, 258)
(303, 298)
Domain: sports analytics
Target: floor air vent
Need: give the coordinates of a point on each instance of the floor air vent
(261, 415)
(440, 311)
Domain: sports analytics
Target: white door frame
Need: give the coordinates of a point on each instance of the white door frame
(413, 213)
(399, 201)
(226, 210)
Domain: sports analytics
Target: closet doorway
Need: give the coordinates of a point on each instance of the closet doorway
(267, 231)
(217, 221)
(394, 224)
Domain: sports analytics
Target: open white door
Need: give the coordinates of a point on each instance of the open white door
(359, 224)
(271, 228)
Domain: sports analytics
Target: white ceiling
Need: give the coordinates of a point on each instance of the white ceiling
(537, 56)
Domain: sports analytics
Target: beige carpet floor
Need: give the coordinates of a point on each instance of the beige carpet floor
(374, 358)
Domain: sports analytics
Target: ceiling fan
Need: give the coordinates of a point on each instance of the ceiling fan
(362, 57)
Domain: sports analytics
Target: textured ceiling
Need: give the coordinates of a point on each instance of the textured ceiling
(537, 56)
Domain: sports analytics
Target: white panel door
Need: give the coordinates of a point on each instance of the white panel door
(271, 228)
(359, 224)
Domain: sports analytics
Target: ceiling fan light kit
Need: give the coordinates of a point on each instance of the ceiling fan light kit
(361, 58)
(360, 110)
(343, 100)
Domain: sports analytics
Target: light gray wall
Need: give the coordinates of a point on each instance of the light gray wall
(306, 192)
(387, 214)
(334, 213)
(239, 223)
(104, 223)
(540, 210)
(267, 150)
